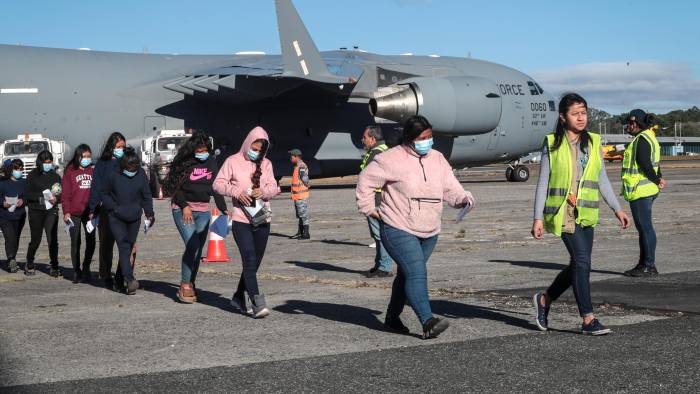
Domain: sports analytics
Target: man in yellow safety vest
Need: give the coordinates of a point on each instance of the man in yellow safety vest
(300, 193)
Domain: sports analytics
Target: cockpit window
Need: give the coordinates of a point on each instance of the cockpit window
(539, 88)
(533, 89)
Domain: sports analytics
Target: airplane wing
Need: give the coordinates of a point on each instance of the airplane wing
(301, 74)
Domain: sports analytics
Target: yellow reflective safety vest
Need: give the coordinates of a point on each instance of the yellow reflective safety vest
(561, 171)
(635, 184)
(365, 159)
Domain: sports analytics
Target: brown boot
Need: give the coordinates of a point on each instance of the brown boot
(186, 293)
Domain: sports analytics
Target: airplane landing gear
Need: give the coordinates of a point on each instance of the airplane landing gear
(517, 173)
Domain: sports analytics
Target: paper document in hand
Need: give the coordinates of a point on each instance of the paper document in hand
(92, 224)
(12, 201)
(146, 226)
(463, 212)
(68, 226)
(47, 196)
(252, 211)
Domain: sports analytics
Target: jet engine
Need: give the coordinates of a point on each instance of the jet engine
(454, 105)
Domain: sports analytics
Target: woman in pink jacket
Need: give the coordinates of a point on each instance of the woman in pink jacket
(415, 180)
(247, 177)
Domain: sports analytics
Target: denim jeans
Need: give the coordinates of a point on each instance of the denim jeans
(194, 235)
(578, 273)
(641, 212)
(411, 254)
(382, 260)
(251, 242)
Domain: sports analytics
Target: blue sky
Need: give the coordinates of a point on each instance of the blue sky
(566, 45)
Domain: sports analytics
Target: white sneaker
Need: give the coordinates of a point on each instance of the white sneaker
(373, 245)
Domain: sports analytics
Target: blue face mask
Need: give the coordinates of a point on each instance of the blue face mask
(17, 174)
(423, 147)
(202, 156)
(253, 155)
(118, 152)
(85, 161)
(128, 173)
(47, 167)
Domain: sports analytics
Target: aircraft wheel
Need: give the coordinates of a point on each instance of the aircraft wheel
(509, 174)
(521, 174)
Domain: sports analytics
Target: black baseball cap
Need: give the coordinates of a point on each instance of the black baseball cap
(637, 116)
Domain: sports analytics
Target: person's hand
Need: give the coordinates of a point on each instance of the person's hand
(20, 202)
(152, 218)
(52, 200)
(469, 200)
(66, 218)
(229, 214)
(187, 215)
(244, 199)
(662, 183)
(257, 194)
(91, 216)
(537, 229)
(623, 218)
(376, 215)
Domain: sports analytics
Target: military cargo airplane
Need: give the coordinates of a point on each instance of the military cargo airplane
(318, 102)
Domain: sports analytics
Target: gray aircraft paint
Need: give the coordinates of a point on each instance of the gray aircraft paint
(317, 102)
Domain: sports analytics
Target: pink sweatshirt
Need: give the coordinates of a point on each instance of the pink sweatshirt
(413, 189)
(235, 176)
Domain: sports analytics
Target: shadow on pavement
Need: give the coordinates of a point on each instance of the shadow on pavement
(549, 266)
(456, 310)
(346, 243)
(342, 313)
(324, 267)
(169, 290)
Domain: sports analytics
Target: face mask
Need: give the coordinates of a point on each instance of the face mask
(128, 173)
(202, 156)
(253, 155)
(118, 152)
(17, 174)
(85, 161)
(47, 167)
(423, 147)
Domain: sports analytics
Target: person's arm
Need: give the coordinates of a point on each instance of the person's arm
(268, 184)
(373, 177)
(31, 192)
(304, 175)
(606, 190)
(146, 198)
(105, 192)
(179, 195)
(643, 159)
(542, 185)
(95, 185)
(67, 190)
(225, 182)
(453, 192)
(219, 200)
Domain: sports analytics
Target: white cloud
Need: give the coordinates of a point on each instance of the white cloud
(619, 87)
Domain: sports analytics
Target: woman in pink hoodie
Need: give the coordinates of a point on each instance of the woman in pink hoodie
(247, 178)
(415, 180)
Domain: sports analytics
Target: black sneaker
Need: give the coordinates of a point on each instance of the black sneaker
(119, 286)
(86, 276)
(395, 324)
(29, 268)
(434, 327)
(55, 272)
(12, 266)
(109, 283)
(594, 328)
(377, 273)
(638, 271)
(77, 276)
(132, 287)
(653, 271)
(541, 312)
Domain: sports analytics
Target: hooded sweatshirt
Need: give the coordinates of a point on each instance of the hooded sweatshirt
(413, 189)
(236, 175)
(76, 189)
(126, 198)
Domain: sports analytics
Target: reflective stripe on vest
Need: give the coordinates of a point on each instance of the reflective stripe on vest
(381, 148)
(635, 184)
(560, 173)
(299, 190)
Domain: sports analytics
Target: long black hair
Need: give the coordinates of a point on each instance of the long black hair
(565, 103)
(130, 159)
(78, 155)
(40, 159)
(414, 126)
(258, 163)
(110, 144)
(15, 164)
(184, 160)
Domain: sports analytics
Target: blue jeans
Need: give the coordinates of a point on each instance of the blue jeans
(641, 212)
(194, 235)
(382, 261)
(578, 273)
(411, 254)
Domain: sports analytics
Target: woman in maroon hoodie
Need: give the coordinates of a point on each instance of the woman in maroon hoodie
(77, 181)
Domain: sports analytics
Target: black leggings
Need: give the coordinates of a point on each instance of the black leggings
(125, 234)
(43, 222)
(11, 231)
(252, 243)
(75, 241)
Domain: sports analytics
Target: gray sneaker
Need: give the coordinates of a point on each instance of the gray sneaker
(260, 309)
(12, 265)
(240, 305)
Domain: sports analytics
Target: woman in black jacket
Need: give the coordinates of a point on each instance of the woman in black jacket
(12, 210)
(126, 195)
(190, 181)
(43, 196)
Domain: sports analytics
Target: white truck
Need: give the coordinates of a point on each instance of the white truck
(27, 147)
(157, 152)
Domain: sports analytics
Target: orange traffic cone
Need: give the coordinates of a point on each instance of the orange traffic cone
(216, 249)
(160, 193)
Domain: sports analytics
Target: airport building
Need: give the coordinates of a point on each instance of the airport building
(670, 146)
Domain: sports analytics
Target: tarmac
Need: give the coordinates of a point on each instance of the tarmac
(325, 332)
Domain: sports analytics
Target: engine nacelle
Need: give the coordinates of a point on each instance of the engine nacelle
(454, 105)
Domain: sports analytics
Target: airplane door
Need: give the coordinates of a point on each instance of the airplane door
(153, 124)
(493, 138)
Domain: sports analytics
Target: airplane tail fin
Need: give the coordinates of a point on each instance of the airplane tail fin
(299, 53)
